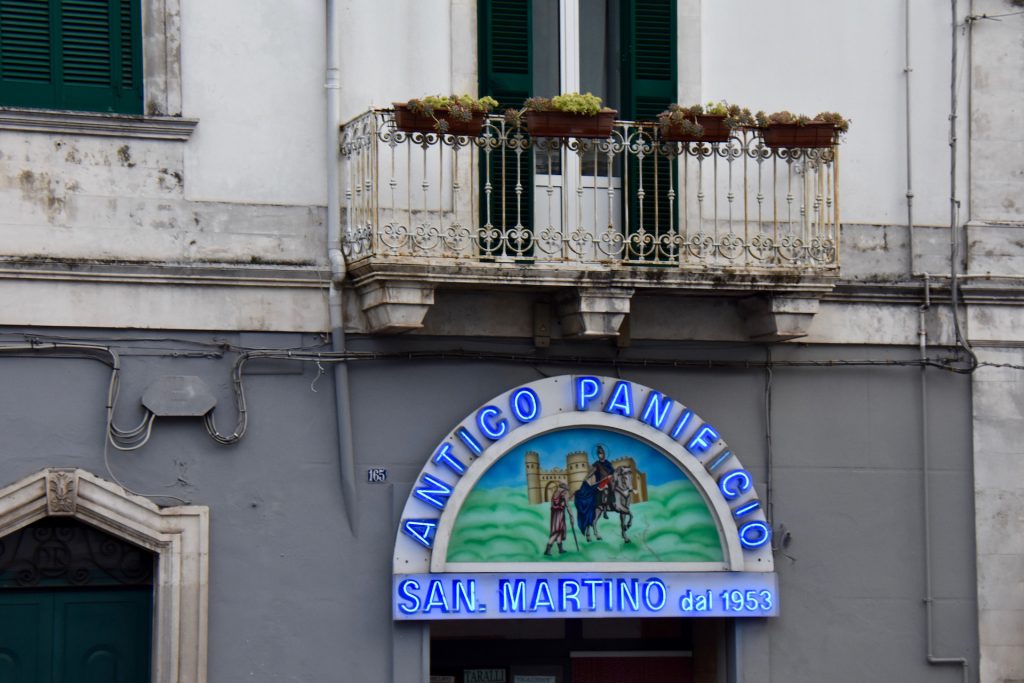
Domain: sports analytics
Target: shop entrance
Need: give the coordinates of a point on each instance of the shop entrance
(578, 651)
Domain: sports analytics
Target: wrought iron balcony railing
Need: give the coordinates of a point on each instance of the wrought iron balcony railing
(624, 201)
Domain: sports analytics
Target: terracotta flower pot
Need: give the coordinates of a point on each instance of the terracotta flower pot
(411, 122)
(558, 124)
(714, 127)
(813, 134)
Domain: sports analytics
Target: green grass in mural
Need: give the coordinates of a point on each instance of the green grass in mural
(499, 525)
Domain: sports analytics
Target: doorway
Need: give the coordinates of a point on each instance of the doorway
(76, 605)
(578, 651)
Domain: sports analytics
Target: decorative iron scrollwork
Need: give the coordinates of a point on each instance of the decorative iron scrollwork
(61, 551)
(631, 198)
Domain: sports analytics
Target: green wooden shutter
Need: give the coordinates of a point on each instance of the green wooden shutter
(506, 74)
(71, 54)
(649, 75)
(26, 64)
(506, 57)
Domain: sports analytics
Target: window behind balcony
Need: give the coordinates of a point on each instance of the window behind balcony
(83, 55)
(624, 51)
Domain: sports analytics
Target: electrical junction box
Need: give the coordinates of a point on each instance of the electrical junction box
(179, 396)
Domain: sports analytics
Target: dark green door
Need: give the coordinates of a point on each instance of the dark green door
(94, 635)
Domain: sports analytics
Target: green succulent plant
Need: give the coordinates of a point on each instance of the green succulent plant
(841, 124)
(782, 117)
(570, 103)
(836, 119)
(451, 107)
(680, 119)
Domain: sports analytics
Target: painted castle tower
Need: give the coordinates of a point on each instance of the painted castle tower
(541, 484)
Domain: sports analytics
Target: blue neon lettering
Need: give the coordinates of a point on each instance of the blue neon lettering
(629, 592)
(719, 459)
(659, 604)
(542, 597)
(742, 485)
(437, 495)
(469, 440)
(444, 456)
(587, 389)
(525, 405)
(568, 591)
(462, 597)
(621, 401)
(681, 423)
(492, 429)
(592, 585)
(745, 510)
(700, 441)
(656, 410)
(512, 595)
(421, 530)
(754, 535)
(405, 591)
(436, 597)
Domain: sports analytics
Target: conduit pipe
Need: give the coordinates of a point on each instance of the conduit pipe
(907, 70)
(954, 202)
(342, 398)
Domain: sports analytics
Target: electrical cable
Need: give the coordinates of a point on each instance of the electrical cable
(769, 465)
(135, 437)
(993, 17)
(110, 358)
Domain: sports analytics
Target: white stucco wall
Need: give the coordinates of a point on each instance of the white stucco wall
(808, 56)
(997, 114)
(394, 50)
(253, 74)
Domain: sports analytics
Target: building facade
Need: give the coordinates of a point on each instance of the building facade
(242, 311)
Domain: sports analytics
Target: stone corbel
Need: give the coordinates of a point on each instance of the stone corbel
(593, 312)
(395, 306)
(778, 318)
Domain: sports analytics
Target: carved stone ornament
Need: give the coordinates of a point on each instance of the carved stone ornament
(61, 491)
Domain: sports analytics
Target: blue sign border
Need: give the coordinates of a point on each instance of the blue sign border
(473, 596)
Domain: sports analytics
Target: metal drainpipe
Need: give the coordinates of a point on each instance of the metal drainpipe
(342, 398)
(922, 336)
(923, 341)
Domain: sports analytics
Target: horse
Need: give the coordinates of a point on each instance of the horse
(622, 492)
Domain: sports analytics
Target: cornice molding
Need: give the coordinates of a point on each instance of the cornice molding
(218, 275)
(88, 123)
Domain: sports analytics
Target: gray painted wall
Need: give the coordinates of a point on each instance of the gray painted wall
(294, 596)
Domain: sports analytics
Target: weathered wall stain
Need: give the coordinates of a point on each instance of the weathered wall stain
(124, 155)
(170, 180)
(47, 192)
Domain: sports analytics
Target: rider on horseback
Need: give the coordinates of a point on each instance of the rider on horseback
(601, 473)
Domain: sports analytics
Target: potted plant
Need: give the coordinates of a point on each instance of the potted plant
(454, 114)
(785, 129)
(563, 116)
(713, 122)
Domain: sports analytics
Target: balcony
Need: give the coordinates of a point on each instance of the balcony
(591, 221)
